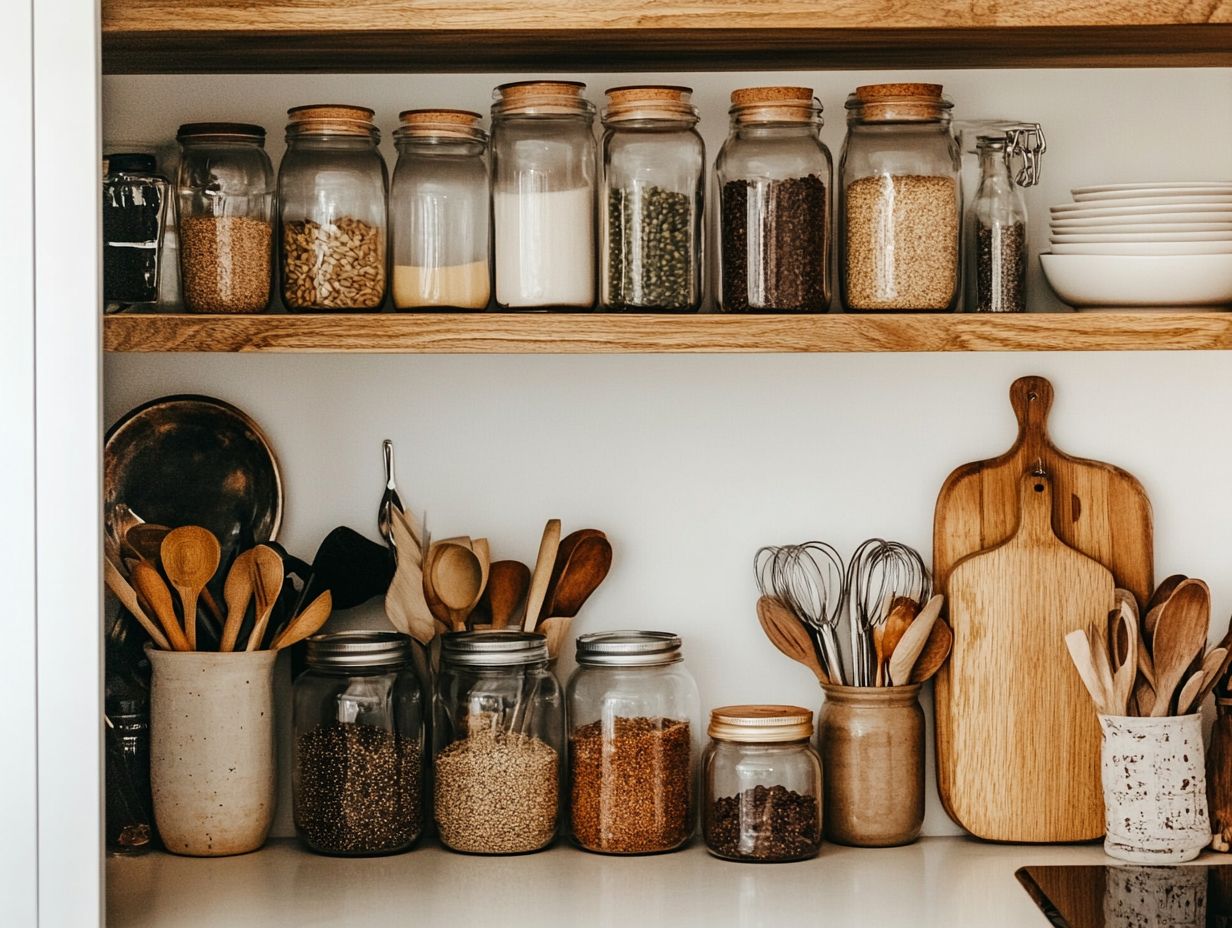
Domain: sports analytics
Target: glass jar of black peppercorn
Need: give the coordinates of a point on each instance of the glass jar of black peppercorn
(762, 785)
(774, 176)
(134, 217)
(654, 162)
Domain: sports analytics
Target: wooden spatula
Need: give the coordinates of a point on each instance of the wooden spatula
(788, 635)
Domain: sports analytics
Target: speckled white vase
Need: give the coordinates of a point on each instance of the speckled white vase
(1154, 774)
(212, 755)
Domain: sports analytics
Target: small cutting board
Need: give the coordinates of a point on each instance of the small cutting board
(1019, 760)
(1098, 509)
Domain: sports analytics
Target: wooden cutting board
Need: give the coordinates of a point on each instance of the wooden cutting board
(1020, 757)
(1098, 509)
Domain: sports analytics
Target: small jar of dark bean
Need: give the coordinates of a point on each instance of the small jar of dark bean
(359, 744)
(775, 176)
(998, 222)
(654, 164)
(762, 783)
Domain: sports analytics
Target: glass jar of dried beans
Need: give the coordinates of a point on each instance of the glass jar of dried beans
(632, 714)
(774, 176)
(762, 783)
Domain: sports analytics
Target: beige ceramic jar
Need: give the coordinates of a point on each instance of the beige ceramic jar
(871, 741)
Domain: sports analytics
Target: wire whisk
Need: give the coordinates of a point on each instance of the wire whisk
(879, 572)
(808, 579)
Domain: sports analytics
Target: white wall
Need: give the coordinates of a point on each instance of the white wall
(690, 463)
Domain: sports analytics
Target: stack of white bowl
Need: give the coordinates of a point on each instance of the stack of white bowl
(1160, 246)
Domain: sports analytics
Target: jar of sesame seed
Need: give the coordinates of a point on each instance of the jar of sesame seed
(359, 744)
(633, 712)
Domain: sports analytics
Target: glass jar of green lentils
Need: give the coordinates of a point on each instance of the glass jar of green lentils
(654, 164)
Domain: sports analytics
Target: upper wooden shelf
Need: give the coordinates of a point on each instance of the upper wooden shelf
(190, 36)
(560, 333)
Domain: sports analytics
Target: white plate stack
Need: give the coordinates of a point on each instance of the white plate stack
(1162, 246)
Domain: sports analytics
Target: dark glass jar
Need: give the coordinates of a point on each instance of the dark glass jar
(129, 805)
(134, 220)
(359, 745)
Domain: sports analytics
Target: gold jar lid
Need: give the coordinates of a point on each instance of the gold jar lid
(429, 123)
(756, 724)
(649, 101)
(541, 98)
(774, 104)
(330, 119)
(900, 102)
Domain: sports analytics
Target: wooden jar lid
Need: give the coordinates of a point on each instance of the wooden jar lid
(649, 101)
(774, 104)
(869, 93)
(903, 102)
(549, 98)
(462, 124)
(331, 118)
(761, 723)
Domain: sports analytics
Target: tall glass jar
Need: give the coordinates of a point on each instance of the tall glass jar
(543, 195)
(654, 165)
(331, 200)
(633, 712)
(225, 194)
(998, 236)
(498, 731)
(762, 785)
(359, 745)
(439, 205)
(901, 200)
(774, 176)
(134, 217)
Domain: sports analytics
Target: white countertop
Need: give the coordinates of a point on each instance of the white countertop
(953, 882)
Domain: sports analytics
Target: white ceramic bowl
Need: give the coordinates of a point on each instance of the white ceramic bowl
(1146, 213)
(1091, 235)
(1099, 227)
(1131, 282)
(1143, 248)
(1115, 202)
(1158, 188)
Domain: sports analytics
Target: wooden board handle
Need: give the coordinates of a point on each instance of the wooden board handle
(1036, 510)
(1031, 398)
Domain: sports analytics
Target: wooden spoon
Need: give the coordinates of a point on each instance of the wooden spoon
(507, 585)
(1078, 642)
(456, 576)
(788, 635)
(903, 612)
(1212, 669)
(440, 614)
(555, 629)
(190, 558)
(1126, 672)
(1103, 667)
(149, 583)
(903, 658)
(563, 553)
(542, 574)
(588, 566)
(268, 573)
(484, 555)
(307, 623)
(406, 604)
(879, 653)
(1163, 592)
(237, 593)
(128, 597)
(1179, 635)
(936, 652)
(1189, 693)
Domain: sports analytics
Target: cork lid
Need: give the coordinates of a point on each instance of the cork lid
(650, 101)
(761, 723)
(428, 123)
(330, 119)
(541, 98)
(900, 102)
(774, 104)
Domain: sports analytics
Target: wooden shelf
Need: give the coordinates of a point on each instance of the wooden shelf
(173, 36)
(560, 333)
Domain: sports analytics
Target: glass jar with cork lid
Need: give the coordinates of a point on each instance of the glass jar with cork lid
(774, 176)
(901, 201)
(762, 785)
(332, 203)
(439, 203)
(633, 712)
(654, 165)
(543, 195)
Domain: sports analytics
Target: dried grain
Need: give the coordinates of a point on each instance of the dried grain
(339, 265)
(225, 263)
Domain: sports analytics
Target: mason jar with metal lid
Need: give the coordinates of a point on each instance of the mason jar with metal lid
(762, 785)
(332, 188)
(498, 731)
(359, 745)
(439, 206)
(225, 196)
(543, 195)
(901, 200)
(654, 165)
(633, 712)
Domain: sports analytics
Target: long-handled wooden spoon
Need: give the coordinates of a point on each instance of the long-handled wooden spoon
(507, 585)
(542, 574)
(936, 652)
(1212, 669)
(903, 658)
(190, 558)
(1079, 644)
(1126, 671)
(268, 574)
(305, 624)
(456, 577)
(563, 553)
(128, 597)
(788, 635)
(903, 612)
(1179, 635)
(149, 583)
(237, 593)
